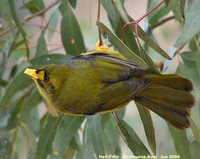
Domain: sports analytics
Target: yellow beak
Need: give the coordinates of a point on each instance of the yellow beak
(32, 73)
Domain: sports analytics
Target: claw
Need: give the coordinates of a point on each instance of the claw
(101, 47)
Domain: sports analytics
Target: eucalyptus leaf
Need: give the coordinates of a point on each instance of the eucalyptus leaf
(133, 141)
(19, 83)
(34, 5)
(67, 129)
(51, 59)
(53, 21)
(156, 15)
(175, 6)
(148, 126)
(181, 142)
(41, 48)
(96, 135)
(111, 135)
(18, 24)
(191, 24)
(122, 48)
(47, 136)
(195, 129)
(73, 3)
(144, 36)
(71, 35)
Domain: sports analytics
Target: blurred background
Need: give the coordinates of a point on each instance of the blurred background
(86, 13)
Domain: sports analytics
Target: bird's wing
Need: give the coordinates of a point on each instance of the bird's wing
(110, 68)
(115, 76)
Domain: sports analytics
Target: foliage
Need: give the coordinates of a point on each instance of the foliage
(25, 132)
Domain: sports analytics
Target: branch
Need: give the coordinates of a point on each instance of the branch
(162, 22)
(40, 13)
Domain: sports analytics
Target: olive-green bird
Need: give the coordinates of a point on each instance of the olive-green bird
(101, 83)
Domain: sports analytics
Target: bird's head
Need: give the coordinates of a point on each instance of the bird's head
(47, 79)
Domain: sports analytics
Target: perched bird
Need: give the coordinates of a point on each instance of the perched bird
(102, 82)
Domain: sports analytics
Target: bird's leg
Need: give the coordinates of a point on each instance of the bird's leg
(135, 23)
(100, 42)
(101, 47)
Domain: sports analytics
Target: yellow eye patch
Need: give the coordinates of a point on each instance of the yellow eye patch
(35, 74)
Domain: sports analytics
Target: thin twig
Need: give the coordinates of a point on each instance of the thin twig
(135, 23)
(4, 32)
(42, 11)
(98, 19)
(40, 26)
(162, 22)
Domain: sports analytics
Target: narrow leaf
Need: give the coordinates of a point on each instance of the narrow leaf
(195, 129)
(181, 142)
(155, 16)
(41, 48)
(67, 129)
(53, 21)
(72, 38)
(175, 6)
(46, 137)
(122, 48)
(96, 136)
(152, 67)
(191, 25)
(19, 83)
(34, 6)
(144, 36)
(134, 143)
(51, 59)
(110, 135)
(18, 24)
(73, 3)
(148, 126)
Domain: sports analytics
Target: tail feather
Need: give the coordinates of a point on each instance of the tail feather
(169, 96)
(175, 118)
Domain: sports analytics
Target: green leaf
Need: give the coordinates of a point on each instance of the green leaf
(152, 67)
(156, 15)
(195, 129)
(73, 3)
(53, 21)
(111, 11)
(189, 67)
(18, 24)
(110, 135)
(148, 126)
(51, 59)
(128, 37)
(175, 6)
(134, 143)
(194, 148)
(117, 23)
(96, 135)
(34, 6)
(71, 35)
(41, 48)
(19, 83)
(71, 150)
(191, 25)
(67, 129)
(144, 36)
(122, 48)
(46, 137)
(31, 115)
(87, 147)
(3, 83)
(181, 142)
(6, 15)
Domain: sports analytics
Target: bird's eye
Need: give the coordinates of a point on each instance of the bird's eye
(46, 78)
(37, 71)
